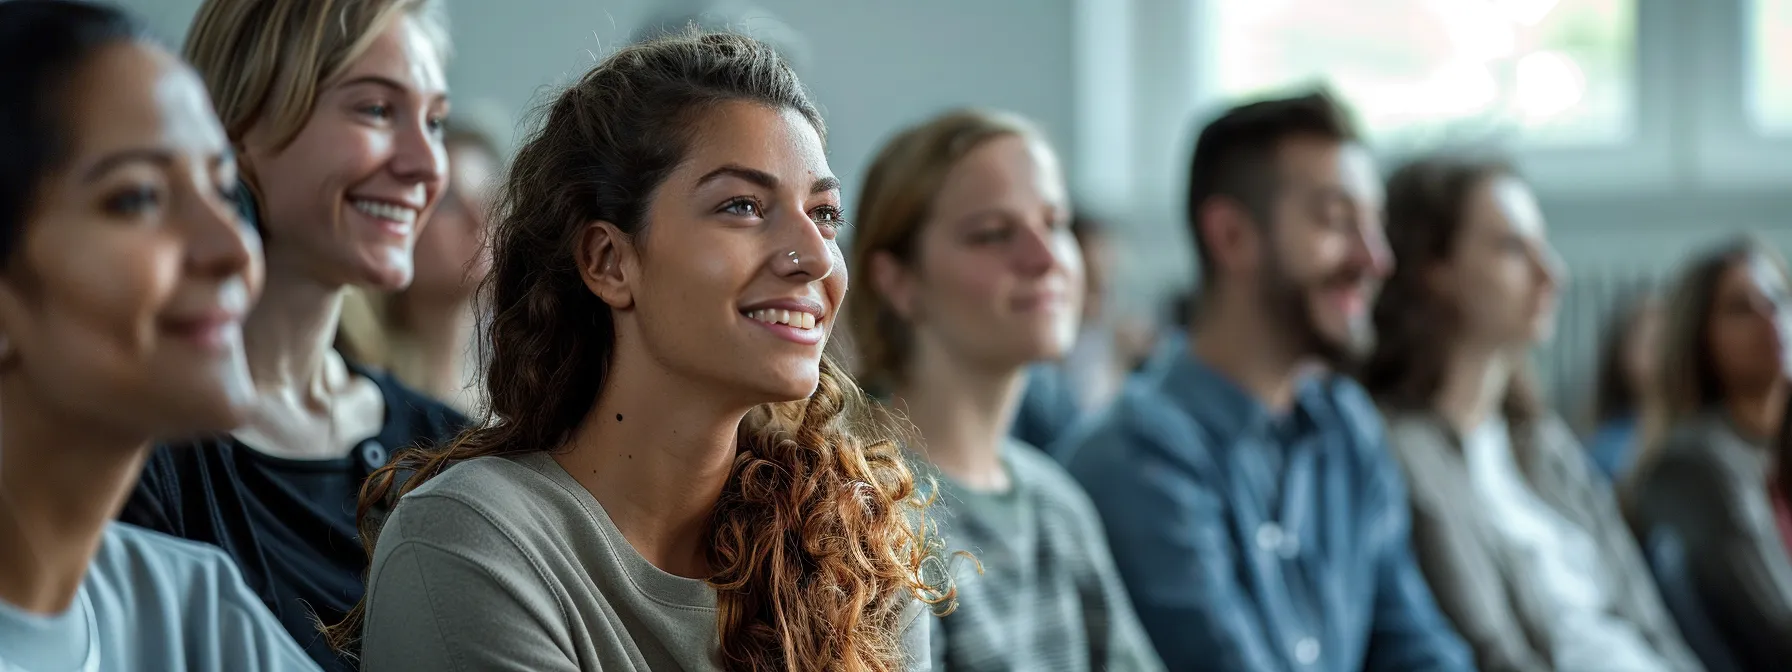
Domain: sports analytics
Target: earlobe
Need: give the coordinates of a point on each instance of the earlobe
(605, 257)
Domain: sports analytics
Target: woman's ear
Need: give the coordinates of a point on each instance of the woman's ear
(895, 283)
(607, 263)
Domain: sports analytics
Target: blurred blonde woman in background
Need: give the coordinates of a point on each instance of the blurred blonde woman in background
(335, 109)
(1704, 478)
(972, 274)
(423, 334)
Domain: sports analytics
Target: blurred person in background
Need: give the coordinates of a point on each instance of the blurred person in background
(335, 109)
(1626, 379)
(971, 272)
(1705, 476)
(1255, 513)
(1520, 537)
(1108, 346)
(423, 334)
(672, 475)
(124, 274)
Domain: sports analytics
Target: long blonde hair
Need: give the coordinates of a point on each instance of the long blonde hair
(266, 60)
(1687, 382)
(897, 199)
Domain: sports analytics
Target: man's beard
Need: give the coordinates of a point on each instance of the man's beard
(1291, 308)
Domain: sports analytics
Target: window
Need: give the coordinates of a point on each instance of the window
(1770, 65)
(1552, 73)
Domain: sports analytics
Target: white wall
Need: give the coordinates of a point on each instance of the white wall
(873, 65)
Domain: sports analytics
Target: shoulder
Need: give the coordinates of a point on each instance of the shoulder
(1142, 424)
(156, 566)
(1045, 478)
(485, 505)
(1353, 407)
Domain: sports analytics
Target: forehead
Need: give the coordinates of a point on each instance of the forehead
(134, 94)
(1504, 202)
(405, 53)
(1010, 168)
(775, 140)
(1317, 162)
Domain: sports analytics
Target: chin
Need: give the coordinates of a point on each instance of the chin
(781, 384)
(385, 274)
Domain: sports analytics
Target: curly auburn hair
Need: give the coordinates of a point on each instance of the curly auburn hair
(819, 538)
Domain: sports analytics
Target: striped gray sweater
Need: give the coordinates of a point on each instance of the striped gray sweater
(1049, 598)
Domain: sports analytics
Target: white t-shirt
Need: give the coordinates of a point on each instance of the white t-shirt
(152, 602)
(1564, 557)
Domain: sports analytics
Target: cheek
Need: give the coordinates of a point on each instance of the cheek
(967, 284)
(102, 312)
(316, 170)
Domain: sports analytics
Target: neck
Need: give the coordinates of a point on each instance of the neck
(1759, 414)
(291, 333)
(61, 481)
(443, 332)
(1474, 383)
(963, 413)
(657, 468)
(1236, 339)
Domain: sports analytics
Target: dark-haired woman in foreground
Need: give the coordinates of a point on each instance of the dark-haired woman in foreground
(1706, 475)
(1517, 533)
(124, 273)
(674, 477)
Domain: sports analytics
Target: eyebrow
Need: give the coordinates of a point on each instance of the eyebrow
(385, 82)
(160, 157)
(763, 179)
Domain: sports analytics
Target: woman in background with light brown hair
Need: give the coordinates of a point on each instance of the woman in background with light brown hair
(672, 475)
(1704, 477)
(335, 109)
(1519, 536)
(969, 274)
(423, 334)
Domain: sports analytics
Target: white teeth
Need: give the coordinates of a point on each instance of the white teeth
(386, 211)
(796, 319)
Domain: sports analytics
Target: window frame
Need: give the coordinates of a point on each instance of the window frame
(1692, 124)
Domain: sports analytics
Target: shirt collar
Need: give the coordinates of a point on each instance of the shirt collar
(1217, 403)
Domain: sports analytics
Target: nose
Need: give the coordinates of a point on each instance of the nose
(803, 253)
(219, 243)
(419, 157)
(1036, 250)
(1370, 248)
(1547, 265)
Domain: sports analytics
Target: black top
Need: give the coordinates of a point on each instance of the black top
(289, 524)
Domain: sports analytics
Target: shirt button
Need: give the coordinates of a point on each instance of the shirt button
(1269, 537)
(1306, 651)
(373, 454)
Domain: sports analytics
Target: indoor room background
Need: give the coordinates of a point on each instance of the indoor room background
(1649, 127)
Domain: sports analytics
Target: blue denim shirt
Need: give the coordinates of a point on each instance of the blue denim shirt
(1252, 542)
